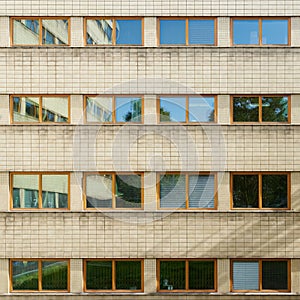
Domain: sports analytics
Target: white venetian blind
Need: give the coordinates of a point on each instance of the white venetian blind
(245, 275)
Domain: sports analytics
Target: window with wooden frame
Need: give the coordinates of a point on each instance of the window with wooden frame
(187, 31)
(186, 275)
(261, 109)
(36, 190)
(187, 190)
(113, 190)
(187, 109)
(40, 109)
(267, 190)
(125, 31)
(114, 109)
(260, 275)
(40, 275)
(113, 275)
(261, 31)
(36, 31)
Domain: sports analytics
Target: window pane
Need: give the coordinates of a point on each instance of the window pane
(98, 275)
(128, 109)
(172, 109)
(274, 275)
(25, 275)
(172, 32)
(128, 32)
(274, 191)
(245, 275)
(245, 191)
(26, 32)
(172, 275)
(202, 32)
(52, 186)
(201, 191)
(275, 32)
(55, 109)
(55, 32)
(172, 191)
(128, 191)
(99, 32)
(128, 275)
(54, 275)
(26, 109)
(245, 109)
(201, 109)
(201, 275)
(99, 191)
(275, 109)
(99, 109)
(245, 32)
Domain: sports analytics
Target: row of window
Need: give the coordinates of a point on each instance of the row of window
(127, 275)
(130, 109)
(107, 190)
(130, 31)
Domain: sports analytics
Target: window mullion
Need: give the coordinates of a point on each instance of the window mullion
(113, 275)
(260, 274)
(40, 200)
(114, 188)
(186, 31)
(41, 31)
(187, 109)
(114, 36)
(186, 274)
(40, 287)
(186, 191)
(260, 31)
(260, 190)
(114, 107)
(41, 110)
(260, 109)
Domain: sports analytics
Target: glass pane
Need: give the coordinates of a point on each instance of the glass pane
(53, 185)
(172, 275)
(99, 191)
(172, 191)
(55, 275)
(55, 32)
(172, 109)
(99, 109)
(99, 32)
(98, 275)
(28, 195)
(245, 109)
(245, 191)
(245, 32)
(202, 32)
(275, 32)
(55, 109)
(25, 275)
(275, 109)
(128, 275)
(172, 32)
(274, 191)
(275, 275)
(201, 275)
(26, 32)
(201, 109)
(128, 191)
(245, 275)
(128, 109)
(128, 32)
(26, 109)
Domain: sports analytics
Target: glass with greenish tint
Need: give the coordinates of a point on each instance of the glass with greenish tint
(245, 109)
(128, 275)
(98, 275)
(172, 275)
(54, 275)
(25, 275)
(275, 275)
(201, 275)
(275, 109)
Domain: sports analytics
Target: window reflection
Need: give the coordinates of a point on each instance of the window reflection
(275, 32)
(128, 32)
(172, 109)
(245, 32)
(172, 32)
(128, 109)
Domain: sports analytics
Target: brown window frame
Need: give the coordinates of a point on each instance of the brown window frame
(260, 174)
(260, 260)
(114, 289)
(186, 260)
(40, 191)
(39, 260)
(40, 19)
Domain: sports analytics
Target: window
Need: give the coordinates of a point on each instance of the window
(187, 31)
(40, 31)
(40, 109)
(260, 275)
(260, 109)
(114, 109)
(110, 190)
(40, 191)
(260, 190)
(114, 275)
(260, 31)
(187, 109)
(43, 275)
(114, 31)
(186, 275)
(187, 191)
